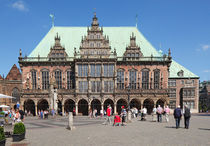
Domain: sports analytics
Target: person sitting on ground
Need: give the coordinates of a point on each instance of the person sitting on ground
(117, 120)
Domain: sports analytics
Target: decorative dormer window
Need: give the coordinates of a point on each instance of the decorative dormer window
(57, 52)
(133, 51)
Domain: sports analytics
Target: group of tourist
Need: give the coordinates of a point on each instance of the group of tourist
(157, 115)
(43, 114)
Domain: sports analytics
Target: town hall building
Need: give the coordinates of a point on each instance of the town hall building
(86, 68)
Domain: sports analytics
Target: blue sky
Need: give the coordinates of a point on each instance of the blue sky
(182, 25)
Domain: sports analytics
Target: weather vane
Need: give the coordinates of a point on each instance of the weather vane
(53, 18)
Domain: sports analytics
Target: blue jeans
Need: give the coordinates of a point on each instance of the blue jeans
(177, 122)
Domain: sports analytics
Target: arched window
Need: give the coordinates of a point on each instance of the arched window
(58, 78)
(145, 79)
(120, 79)
(33, 79)
(45, 79)
(132, 79)
(156, 79)
(16, 93)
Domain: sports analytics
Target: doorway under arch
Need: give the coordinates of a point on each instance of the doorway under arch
(69, 105)
(149, 104)
(96, 104)
(135, 103)
(83, 107)
(108, 102)
(160, 102)
(59, 107)
(29, 106)
(42, 105)
(120, 103)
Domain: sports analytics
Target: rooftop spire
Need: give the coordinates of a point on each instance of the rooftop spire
(95, 20)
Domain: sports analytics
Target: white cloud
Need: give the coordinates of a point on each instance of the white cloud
(207, 71)
(20, 5)
(205, 47)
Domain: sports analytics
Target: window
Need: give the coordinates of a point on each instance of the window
(58, 79)
(96, 86)
(91, 44)
(98, 36)
(156, 79)
(82, 70)
(33, 79)
(120, 79)
(189, 93)
(132, 79)
(128, 55)
(145, 79)
(172, 104)
(108, 86)
(98, 44)
(15, 93)
(70, 80)
(45, 80)
(182, 82)
(83, 86)
(132, 55)
(95, 70)
(108, 70)
(137, 55)
(172, 83)
(172, 93)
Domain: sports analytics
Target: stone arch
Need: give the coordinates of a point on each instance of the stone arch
(69, 105)
(135, 103)
(121, 102)
(42, 105)
(108, 102)
(96, 104)
(160, 102)
(83, 107)
(149, 104)
(29, 106)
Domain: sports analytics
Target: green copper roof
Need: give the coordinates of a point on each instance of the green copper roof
(119, 38)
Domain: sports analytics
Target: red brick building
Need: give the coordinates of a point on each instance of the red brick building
(89, 68)
(11, 85)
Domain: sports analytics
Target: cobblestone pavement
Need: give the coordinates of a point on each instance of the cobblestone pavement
(91, 132)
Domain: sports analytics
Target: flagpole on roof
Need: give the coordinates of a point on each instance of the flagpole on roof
(53, 18)
(136, 20)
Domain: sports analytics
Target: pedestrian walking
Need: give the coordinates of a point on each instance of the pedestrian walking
(167, 112)
(187, 116)
(177, 116)
(159, 113)
(123, 115)
(143, 114)
(108, 117)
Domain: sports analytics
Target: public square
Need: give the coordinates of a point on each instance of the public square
(91, 132)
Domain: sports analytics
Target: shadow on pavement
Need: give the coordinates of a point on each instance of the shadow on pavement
(203, 129)
(173, 127)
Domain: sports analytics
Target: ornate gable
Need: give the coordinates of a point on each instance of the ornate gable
(57, 52)
(133, 50)
(95, 45)
(14, 73)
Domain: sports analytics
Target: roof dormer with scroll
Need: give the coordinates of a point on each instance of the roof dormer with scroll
(95, 44)
(133, 50)
(57, 52)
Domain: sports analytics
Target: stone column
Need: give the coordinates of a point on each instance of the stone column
(102, 107)
(115, 108)
(89, 106)
(62, 109)
(36, 109)
(76, 108)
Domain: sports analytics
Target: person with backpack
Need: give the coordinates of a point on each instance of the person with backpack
(187, 116)
(177, 116)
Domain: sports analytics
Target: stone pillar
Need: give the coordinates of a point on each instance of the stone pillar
(89, 106)
(62, 109)
(102, 107)
(36, 109)
(115, 108)
(76, 108)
